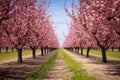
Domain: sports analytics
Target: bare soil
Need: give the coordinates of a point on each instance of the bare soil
(59, 71)
(95, 67)
(11, 70)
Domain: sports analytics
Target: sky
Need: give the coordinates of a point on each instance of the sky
(59, 18)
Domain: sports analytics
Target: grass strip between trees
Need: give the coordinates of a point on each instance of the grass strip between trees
(109, 54)
(6, 56)
(41, 71)
(76, 68)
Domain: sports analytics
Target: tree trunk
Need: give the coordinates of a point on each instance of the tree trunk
(0, 49)
(119, 49)
(6, 49)
(12, 49)
(45, 50)
(33, 53)
(112, 49)
(104, 55)
(20, 55)
(42, 53)
(78, 50)
(88, 50)
(81, 51)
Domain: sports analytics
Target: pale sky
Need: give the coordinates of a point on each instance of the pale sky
(59, 18)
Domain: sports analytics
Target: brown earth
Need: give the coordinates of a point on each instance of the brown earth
(95, 67)
(19, 71)
(59, 71)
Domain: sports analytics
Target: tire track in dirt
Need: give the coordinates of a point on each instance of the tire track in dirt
(59, 71)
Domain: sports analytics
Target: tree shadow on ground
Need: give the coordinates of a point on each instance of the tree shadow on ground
(19, 71)
(113, 66)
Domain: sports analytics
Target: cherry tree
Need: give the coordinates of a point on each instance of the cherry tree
(28, 25)
(97, 27)
(95, 24)
(7, 8)
(41, 30)
(107, 9)
(16, 29)
(38, 27)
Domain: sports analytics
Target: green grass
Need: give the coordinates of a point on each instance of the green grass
(6, 56)
(113, 50)
(41, 71)
(76, 68)
(109, 54)
(4, 49)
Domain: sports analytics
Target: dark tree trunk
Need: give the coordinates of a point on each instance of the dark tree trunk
(73, 50)
(12, 49)
(6, 49)
(107, 49)
(88, 50)
(33, 53)
(81, 51)
(42, 53)
(104, 55)
(78, 50)
(20, 55)
(112, 49)
(49, 49)
(44, 50)
(119, 49)
(0, 49)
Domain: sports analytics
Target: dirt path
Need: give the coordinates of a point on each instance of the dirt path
(94, 67)
(59, 71)
(17, 71)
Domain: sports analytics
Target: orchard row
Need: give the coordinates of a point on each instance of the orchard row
(26, 24)
(95, 24)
